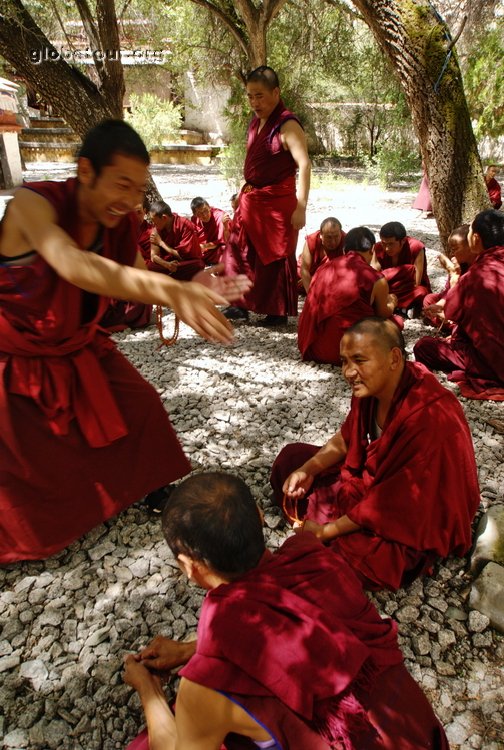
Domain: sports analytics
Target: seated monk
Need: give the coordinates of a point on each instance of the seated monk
(290, 653)
(474, 353)
(493, 187)
(456, 262)
(212, 226)
(175, 248)
(319, 247)
(403, 262)
(145, 230)
(343, 291)
(396, 487)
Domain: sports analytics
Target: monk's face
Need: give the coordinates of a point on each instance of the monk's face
(159, 221)
(459, 250)
(203, 213)
(490, 173)
(262, 100)
(118, 189)
(392, 245)
(331, 237)
(367, 364)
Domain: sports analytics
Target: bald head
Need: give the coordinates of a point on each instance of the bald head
(383, 332)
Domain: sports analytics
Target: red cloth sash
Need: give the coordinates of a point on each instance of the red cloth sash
(265, 217)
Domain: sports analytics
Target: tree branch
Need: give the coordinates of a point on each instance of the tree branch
(233, 25)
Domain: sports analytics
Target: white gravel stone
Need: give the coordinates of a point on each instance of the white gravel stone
(35, 671)
(478, 622)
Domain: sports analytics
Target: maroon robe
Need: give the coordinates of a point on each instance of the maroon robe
(474, 354)
(414, 490)
(318, 254)
(263, 242)
(494, 193)
(212, 231)
(423, 200)
(402, 276)
(144, 236)
(78, 421)
(298, 645)
(183, 238)
(339, 295)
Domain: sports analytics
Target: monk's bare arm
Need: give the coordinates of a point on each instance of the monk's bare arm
(332, 453)
(294, 140)
(306, 261)
(327, 531)
(159, 719)
(375, 263)
(419, 267)
(36, 220)
(383, 303)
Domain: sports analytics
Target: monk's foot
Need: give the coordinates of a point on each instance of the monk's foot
(270, 321)
(235, 313)
(155, 501)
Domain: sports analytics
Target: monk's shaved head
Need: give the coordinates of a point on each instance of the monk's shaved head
(265, 76)
(385, 332)
(213, 518)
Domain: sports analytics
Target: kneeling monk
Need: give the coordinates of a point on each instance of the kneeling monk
(291, 655)
(396, 487)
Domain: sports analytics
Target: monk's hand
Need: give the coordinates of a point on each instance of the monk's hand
(137, 675)
(311, 526)
(435, 311)
(230, 287)
(196, 306)
(162, 654)
(297, 484)
(298, 218)
(392, 298)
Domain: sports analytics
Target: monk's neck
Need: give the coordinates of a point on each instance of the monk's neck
(88, 228)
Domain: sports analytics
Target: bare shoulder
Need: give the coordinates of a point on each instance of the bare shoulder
(25, 208)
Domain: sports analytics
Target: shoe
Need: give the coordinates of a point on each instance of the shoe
(156, 500)
(270, 321)
(235, 313)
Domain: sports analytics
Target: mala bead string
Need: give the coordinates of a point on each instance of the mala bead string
(159, 323)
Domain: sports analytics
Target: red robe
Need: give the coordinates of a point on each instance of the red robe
(474, 354)
(298, 644)
(423, 200)
(183, 238)
(78, 421)
(211, 231)
(494, 193)
(318, 254)
(414, 490)
(401, 277)
(339, 295)
(144, 236)
(263, 242)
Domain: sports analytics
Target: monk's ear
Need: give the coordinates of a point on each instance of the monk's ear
(396, 357)
(85, 172)
(187, 564)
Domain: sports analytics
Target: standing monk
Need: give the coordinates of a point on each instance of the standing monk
(319, 247)
(77, 421)
(266, 224)
(396, 487)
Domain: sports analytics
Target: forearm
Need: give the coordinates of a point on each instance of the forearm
(340, 527)
(331, 454)
(303, 187)
(160, 720)
(306, 279)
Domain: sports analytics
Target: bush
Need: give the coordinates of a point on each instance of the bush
(395, 162)
(156, 120)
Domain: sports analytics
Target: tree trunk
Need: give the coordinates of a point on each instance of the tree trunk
(415, 39)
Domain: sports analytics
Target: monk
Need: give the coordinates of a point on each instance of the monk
(77, 421)
(493, 187)
(290, 653)
(270, 214)
(474, 354)
(403, 262)
(212, 227)
(456, 262)
(319, 247)
(175, 248)
(145, 230)
(396, 487)
(343, 291)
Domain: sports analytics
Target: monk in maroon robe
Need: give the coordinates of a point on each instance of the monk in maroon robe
(343, 291)
(212, 227)
(396, 488)
(265, 226)
(493, 187)
(319, 247)
(403, 262)
(77, 421)
(290, 652)
(175, 248)
(474, 354)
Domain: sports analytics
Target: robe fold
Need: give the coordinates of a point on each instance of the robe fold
(78, 421)
(298, 645)
(211, 231)
(401, 277)
(262, 243)
(474, 354)
(183, 238)
(414, 490)
(339, 295)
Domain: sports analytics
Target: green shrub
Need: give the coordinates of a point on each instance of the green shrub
(395, 162)
(156, 120)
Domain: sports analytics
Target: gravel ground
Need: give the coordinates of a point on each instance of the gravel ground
(67, 621)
